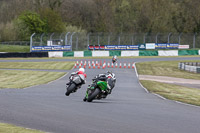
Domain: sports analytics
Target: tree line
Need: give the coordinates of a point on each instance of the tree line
(20, 18)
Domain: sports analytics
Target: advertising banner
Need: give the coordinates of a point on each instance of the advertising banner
(50, 48)
(172, 46)
(96, 47)
(150, 45)
(161, 46)
(114, 47)
(166, 45)
(142, 46)
(90, 47)
(184, 46)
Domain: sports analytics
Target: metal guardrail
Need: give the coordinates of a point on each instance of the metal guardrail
(190, 66)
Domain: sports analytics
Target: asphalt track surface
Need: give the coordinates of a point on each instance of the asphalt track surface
(129, 109)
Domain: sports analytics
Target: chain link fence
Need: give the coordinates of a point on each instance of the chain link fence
(81, 41)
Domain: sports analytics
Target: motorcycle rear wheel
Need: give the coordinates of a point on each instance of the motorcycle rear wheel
(70, 89)
(93, 95)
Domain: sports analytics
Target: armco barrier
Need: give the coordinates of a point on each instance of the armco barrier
(68, 54)
(55, 54)
(78, 54)
(188, 52)
(87, 53)
(131, 53)
(100, 53)
(103, 53)
(116, 52)
(167, 52)
(148, 53)
(24, 55)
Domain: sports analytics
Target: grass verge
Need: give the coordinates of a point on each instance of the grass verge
(8, 128)
(23, 79)
(14, 48)
(174, 92)
(37, 65)
(166, 68)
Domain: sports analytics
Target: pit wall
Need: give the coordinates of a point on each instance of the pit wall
(124, 53)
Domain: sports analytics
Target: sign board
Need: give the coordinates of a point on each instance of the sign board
(50, 48)
(184, 46)
(96, 47)
(166, 45)
(150, 45)
(172, 46)
(113, 47)
(142, 46)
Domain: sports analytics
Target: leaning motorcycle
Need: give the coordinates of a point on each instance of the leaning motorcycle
(114, 59)
(97, 90)
(75, 82)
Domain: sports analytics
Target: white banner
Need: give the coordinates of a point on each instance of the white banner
(55, 54)
(100, 53)
(199, 52)
(183, 46)
(129, 53)
(78, 54)
(167, 52)
(150, 45)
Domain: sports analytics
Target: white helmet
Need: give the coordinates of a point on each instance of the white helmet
(82, 69)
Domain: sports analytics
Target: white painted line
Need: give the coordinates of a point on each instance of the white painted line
(159, 96)
(187, 104)
(143, 87)
(139, 80)
(136, 70)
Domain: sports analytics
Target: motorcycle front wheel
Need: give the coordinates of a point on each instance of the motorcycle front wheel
(93, 95)
(70, 89)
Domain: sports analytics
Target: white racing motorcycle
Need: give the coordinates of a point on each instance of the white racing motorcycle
(75, 82)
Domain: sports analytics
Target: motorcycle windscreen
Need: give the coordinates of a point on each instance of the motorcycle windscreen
(102, 85)
(77, 79)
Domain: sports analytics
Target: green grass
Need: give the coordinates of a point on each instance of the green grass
(37, 65)
(14, 48)
(8, 128)
(166, 68)
(23, 79)
(27, 78)
(174, 92)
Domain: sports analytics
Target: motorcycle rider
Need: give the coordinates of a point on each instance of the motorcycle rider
(110, 78)
(81, 71)
(114, 59)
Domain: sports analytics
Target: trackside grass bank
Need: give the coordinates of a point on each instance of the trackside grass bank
(166, 68)
(23, 79)
(174, 92)
(8, 128)
(170, 91)
(38, 65)
(27, 78)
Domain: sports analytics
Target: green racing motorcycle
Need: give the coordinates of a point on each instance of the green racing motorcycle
(97, 90)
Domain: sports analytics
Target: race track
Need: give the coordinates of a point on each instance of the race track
(129, 109)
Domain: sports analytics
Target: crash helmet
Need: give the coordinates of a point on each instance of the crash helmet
(109, 72)
(115, 56)
(81, 69)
